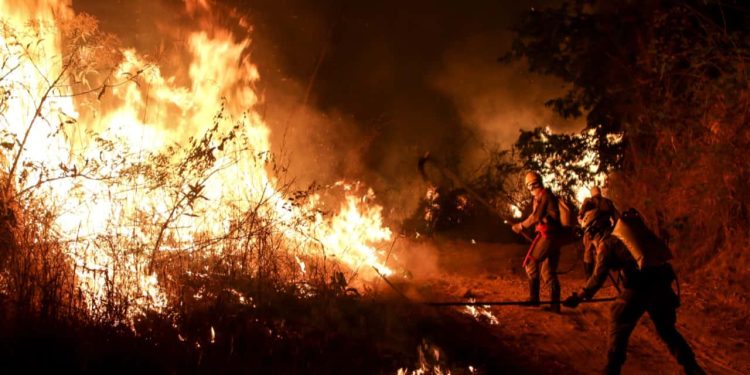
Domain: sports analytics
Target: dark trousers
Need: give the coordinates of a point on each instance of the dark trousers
(661, 303)
(589, 255)
(544, 257)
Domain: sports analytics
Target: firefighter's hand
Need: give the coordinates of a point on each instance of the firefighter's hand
(572, 301)
(517, 227)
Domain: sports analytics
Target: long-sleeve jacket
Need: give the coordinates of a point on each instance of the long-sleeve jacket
(545, 210)
(612, 255)
(604, 205)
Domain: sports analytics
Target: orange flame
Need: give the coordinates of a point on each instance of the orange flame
(135, 123)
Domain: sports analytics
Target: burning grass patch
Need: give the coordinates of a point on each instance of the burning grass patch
(235, 328)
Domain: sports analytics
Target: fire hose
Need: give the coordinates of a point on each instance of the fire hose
(421, 165)
(427, 158)
(512, 303)
(483, 303)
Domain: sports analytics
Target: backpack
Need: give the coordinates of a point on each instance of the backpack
(566, 215)
(642, 243)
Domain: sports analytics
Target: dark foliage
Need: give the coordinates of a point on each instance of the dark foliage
(672, 77)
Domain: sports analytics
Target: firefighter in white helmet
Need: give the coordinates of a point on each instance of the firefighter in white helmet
(604, 207)
(543, 256)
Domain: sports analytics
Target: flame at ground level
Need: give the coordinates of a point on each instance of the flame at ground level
(137, 167)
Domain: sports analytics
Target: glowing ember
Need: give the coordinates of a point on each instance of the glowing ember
(588, 160)
(429, 361)
(481, 313)
(583, 193)
(431, 197)
(517, 214)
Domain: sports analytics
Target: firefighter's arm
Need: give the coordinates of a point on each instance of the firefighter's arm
(594, 282)
(536, 216)
(518, 227)
(526, 223)
(584, 207)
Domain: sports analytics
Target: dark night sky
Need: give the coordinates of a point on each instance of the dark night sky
(397, 78)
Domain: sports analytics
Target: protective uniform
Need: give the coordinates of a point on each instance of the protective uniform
(589, 255)
(645, 290)
(607, 210)
(605, 206)
(543, 256)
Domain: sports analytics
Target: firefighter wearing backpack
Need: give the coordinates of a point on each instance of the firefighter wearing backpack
(543, 256)
(604, 207)
(642, 260)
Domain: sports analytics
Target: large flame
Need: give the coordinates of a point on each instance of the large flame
(140, 115)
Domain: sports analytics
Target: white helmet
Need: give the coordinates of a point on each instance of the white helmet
(532, 180)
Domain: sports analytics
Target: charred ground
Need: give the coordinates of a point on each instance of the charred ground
(664, 90)
(340, 332)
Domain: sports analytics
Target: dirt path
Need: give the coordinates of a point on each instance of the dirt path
(574, 341)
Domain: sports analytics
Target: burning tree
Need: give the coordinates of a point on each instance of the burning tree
(570, 163)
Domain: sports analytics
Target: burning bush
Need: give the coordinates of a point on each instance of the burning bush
(136, 210)
(122, 185)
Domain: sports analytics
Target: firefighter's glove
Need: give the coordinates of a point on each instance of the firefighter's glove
(572, 301)
(517, 228)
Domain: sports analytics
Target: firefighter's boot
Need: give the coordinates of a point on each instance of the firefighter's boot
(555, 297)
(615, 360)
(612, 369)
(694, 369)
(533, 292)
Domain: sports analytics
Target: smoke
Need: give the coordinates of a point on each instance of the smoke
(159, 30)
(360, 90)
(496, 100)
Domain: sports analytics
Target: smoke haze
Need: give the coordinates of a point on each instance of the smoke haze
(360, 90)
